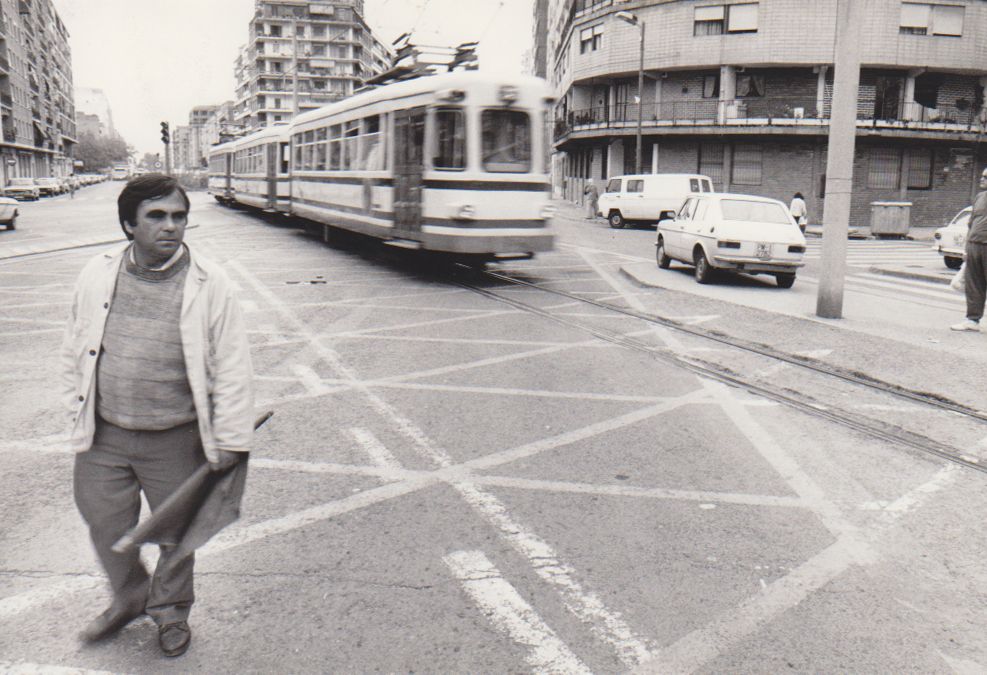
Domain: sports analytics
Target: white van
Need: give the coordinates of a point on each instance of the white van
(648, 198)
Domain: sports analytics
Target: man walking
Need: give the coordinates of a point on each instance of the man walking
(157, 380)
(975, 267)
(592, 200)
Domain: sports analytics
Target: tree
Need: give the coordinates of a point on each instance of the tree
(99, 152)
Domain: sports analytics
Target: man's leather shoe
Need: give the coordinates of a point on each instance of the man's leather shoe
(113, 619)
(174, 638)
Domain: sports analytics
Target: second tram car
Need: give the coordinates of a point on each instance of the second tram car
(455, 162)
(220, 180)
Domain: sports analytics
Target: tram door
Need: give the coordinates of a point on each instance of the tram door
(271, 150)
(409, 152)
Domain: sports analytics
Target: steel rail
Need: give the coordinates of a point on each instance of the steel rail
(885, 432)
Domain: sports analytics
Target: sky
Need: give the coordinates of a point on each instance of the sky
(156, 59)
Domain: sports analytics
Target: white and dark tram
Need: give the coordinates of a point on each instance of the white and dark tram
(455, 163)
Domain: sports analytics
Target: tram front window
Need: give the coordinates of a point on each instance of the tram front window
(506, 141)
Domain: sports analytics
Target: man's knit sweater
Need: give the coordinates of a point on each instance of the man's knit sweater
(141, 381)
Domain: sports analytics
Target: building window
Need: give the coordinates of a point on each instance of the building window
(925, 19)
(719, 19)
(747, 162)
(750, 86)
(708, 20)
(920, 168)
(711, 86)
(590, 39)
(711, 161)
(884, 170)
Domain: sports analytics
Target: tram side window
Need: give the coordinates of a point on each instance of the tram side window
(373, 145)
(307, 149)
(320, 149)
(351, 136)
(297, 140)
(335, 147)
(506, 145)
(450, 140)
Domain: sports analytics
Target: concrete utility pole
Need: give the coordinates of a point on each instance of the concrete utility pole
(850, 16)
(635, 20)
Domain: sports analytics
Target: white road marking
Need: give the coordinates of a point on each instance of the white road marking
(962, 666)
(46, 669)
(504, 606)
(310, 380)
(378, 454)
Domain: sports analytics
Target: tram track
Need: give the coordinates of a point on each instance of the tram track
(880, 430)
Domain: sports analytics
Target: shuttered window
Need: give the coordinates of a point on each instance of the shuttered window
(711, 162)
(920, 168)
(884, 170)
(747, 163)
(742, 18)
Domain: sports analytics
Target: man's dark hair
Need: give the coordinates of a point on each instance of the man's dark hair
(799, 195)
(142, 188)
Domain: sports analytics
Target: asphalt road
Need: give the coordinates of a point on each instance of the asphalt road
(452, 483)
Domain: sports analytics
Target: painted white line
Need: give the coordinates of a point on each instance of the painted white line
(46, 669)
(585, 605)
(310, 380)
(508, 611)
(378, 454)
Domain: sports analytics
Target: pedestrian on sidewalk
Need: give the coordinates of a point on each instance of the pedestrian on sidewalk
(799, 210)
(157, 380)
(72, 187)
(975, 261)
(592, 199)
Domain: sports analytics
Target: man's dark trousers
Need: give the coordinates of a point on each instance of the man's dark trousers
(975, 281)
(108, 481)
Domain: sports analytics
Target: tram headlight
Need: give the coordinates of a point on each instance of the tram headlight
(466, 212)
(548, 212)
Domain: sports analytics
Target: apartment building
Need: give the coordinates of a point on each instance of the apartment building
(741, 91)
(303, 55)
(37, 110)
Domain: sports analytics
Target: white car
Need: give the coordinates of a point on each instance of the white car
(740, 233)
(8, 212)
(951, 240)
(647, 198)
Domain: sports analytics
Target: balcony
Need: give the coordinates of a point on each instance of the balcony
(761, 112)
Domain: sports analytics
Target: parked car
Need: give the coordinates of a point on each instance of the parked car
(951, 240)
(21, 189)
(48, 187)
(8, 212)
(648, 198)
(741, 233)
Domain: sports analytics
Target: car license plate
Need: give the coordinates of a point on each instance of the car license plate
(764, 250)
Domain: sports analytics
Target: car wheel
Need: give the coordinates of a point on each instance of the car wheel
(785, 280)
(704, 271)
(616, 220)
(953, 263)
(663, 260)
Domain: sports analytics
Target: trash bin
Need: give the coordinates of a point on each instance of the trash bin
(890, 219)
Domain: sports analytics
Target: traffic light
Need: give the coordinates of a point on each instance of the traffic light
(165, 137)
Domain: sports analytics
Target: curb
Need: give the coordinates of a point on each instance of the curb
(905, 274)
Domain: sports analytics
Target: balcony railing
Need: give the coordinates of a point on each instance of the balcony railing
(769, 111)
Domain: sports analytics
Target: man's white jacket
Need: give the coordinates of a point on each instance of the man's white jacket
(214, 340)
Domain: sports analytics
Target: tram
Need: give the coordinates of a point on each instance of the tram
(454, 162)
(220, 181)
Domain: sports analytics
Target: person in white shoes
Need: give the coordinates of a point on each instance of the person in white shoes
(976, 261)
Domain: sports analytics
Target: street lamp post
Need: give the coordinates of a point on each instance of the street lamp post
(635, 20)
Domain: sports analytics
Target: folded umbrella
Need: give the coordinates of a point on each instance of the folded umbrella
(203, 505)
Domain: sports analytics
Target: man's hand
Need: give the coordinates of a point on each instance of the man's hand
(227, 459)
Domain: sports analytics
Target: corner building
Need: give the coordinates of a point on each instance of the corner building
(37, 108)
(314, 52)
(742, 91)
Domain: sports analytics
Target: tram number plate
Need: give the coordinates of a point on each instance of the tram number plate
(763, 250)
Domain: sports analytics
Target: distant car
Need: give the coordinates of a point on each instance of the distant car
(951, 240)
(740, 233)
(48, 187)
(648, 198)
(8, 212)
(21, 189)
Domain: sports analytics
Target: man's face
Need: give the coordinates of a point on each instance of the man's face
(159, 228)
(983, 179)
